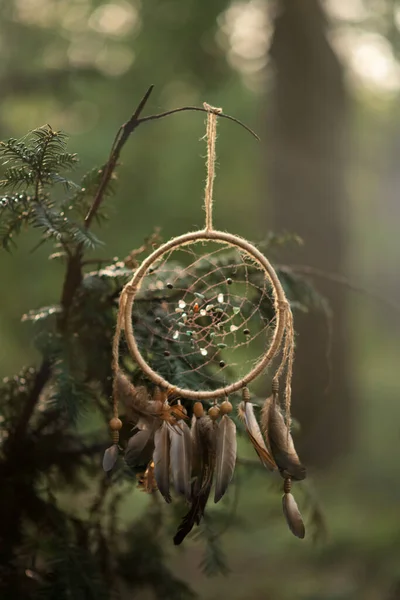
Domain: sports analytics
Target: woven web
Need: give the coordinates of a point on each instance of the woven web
(203, 316)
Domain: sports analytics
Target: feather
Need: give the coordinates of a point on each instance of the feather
(246, 414)
(138, 404)
(177, 411)
(207, 435)
(161, 460)
(149, 482)
(280, 440)
(203, 440)
(132, 398)
(181, 458)
(110, 457)
(196, 447)
(140, 447)
(192, 517)
(293, 516)
(225, 456)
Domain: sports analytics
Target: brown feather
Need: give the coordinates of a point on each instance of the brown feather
(150, 484)
(225, 456)
(203, 441)
(134, 399)
(181, 457)
(178, 411)
(293, 516)
(207, 433)
(139, 406)
(146, 480)
(280, 440)
(196, 447)
(161, 460)
(246, 414)
(140, 447)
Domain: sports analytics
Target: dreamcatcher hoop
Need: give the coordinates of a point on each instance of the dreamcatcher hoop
(281, 306)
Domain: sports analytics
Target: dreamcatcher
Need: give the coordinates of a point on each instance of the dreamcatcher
(193, 313)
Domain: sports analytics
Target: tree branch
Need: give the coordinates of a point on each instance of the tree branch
(119, 142)
(197, 109)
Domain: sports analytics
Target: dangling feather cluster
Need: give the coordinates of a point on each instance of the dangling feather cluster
(275, 448)
(190, 460)
(185, 459)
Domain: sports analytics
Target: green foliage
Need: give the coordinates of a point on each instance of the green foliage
(83, 195)
(214, 561)
(33, 165)
(38, 159)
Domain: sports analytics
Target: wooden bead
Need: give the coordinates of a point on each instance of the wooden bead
(226, 407)
(198, 410)
(213, 412)
(287, 485)
(115, 424)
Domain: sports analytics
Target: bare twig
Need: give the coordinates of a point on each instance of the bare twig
(342, 280)
(198, 109)
(119, 142)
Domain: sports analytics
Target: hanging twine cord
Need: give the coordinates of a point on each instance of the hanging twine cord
(211, 137)
(115, 349)
(287, 363)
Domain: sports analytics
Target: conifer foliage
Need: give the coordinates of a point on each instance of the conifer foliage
(60, 533)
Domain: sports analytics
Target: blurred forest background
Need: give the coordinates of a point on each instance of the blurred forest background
(320, 83)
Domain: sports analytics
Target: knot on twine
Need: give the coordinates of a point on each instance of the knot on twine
(282, 305)
(212, 109)
(130, 289)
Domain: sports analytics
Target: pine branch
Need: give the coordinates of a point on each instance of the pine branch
(18, 434)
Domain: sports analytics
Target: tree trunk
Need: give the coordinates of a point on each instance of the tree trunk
(307, 147)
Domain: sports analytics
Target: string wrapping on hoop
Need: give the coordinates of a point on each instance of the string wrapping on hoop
(211, 137)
